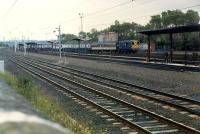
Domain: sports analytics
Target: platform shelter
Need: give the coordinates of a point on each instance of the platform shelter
(170, 31)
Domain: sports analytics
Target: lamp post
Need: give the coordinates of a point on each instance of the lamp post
(15, 45)
(23, 40)
(24, 46)
(81, 17)
(59, 40)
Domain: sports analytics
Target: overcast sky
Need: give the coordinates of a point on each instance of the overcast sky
(37, 19)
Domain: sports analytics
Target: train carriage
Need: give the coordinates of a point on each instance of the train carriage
(107, 43)
(74, 48)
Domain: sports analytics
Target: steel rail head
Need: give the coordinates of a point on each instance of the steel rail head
(128, 84)
(132, 92)
(159, 117)
(123, 120)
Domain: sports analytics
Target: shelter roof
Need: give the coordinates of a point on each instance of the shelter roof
(171, 30)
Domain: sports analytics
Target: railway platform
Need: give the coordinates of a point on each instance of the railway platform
(156, 64)
(17, 116)
(168, 66)
(137, 61)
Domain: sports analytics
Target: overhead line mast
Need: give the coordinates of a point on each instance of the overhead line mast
(81, 17)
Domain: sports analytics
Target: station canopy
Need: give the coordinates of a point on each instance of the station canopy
(170, 31)
(31, 43)
(78, 39)
(81, 39)
(178, 29)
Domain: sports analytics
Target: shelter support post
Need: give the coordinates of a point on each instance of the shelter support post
(185, 47)
(79, 43)
(171, 47)
(149, 51)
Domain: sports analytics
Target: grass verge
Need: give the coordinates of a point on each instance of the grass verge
(24, 86)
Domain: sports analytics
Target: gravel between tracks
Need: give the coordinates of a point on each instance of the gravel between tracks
(169, 81)
(180, 83)
(75, 110)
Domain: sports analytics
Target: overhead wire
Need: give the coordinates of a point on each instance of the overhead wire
(137, 5)
(95, 12)
(110, 8)
(10, 8)
(105, 10)
(149, 15)
(102, 11)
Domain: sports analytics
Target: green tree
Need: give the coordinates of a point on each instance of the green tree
(68, 37)
(176, 18)
(126, 30)
(173, 18)
(93, 35)
(83, 35)
(156, 22)
(192, 17)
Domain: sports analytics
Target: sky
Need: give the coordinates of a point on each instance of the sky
(37, 19)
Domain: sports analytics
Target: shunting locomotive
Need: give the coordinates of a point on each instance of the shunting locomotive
(108, 42)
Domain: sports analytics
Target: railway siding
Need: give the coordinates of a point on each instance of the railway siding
(131, 89)
(79, 84)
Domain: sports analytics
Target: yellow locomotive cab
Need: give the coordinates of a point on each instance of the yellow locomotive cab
(135, 45)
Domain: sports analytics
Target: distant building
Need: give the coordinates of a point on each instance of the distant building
(108, 37)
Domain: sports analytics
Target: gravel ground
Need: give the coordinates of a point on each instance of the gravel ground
(180, 83)
(75, 110)
(152, 106)
(160, 83)
(169, 81)
(18, 116)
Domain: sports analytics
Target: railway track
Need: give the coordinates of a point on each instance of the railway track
(102, 57)
(136, 61)
(137, 118)
(117, 58)
(183, 104)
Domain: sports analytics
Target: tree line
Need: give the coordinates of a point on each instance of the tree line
(170, 18)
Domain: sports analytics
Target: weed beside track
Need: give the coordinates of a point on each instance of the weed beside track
(24, 86)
